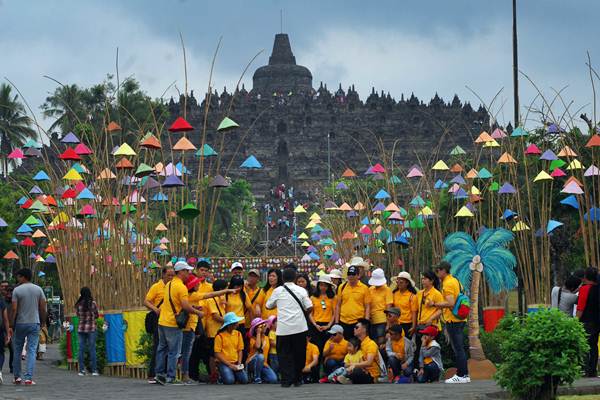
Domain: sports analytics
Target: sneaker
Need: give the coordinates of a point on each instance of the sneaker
(161, 380)
(18, 381)
(188, 382)
(324, 380)
(28, 382)
(174, 382)
(343, 380)
(1, 379)
(81, 373)
(258, 381)
(152, 381)
(458, 379)
(95, 373)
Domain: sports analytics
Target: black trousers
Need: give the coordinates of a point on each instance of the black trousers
(201, 351)
(406, 329)
(151, 370)
(291, 351)
(360, 377)
(348, 330)
(593, 330)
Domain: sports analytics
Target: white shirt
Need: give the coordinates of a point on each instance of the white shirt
(290, 318)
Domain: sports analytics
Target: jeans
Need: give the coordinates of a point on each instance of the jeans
(152, 369)
(87, 340)
(359, 376)
(396, 366)
(291, 350)
(274, 363)
(186, 351)
(337, 372)
(169, 348)
(330, 365)
(456, 333)
(1, 350)
(261, 371)
(431, 373)
(32, 333)
(229, 377)
(591, 366)
(377, 331)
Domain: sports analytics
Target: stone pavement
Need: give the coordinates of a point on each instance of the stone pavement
(54, 383)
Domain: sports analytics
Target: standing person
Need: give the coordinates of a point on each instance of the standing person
(354, 302)
(215, 309)
(5, 333)
(274, 280)
(324, 303)
(202, 347)
(11, 326)
(29, 314)
(229, 346)
(170, 334)
(565, 297)
(405, 299)
(427, 314)
(256, 296)
(381, 299)
(237, 269)
(454, 326)
(153, 301)
(588, 312)
(430, 356)
(368, 370)
(303, 281)
(292, 305)
(239, 303)
(335, 349)
(336, 277)
(87, 312)
(392, 316)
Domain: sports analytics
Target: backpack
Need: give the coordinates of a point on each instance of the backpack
(462, 306)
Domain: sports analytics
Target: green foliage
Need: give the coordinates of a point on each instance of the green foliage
(540, 351)
(144, 349)
(100, 348)
(15, 125)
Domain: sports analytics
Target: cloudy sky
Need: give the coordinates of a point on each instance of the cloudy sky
(423, 47)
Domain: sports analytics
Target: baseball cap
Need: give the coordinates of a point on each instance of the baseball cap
(336, 329)
(352, 270)
(254, 271)
(235, 265)
(392, 310)
(182, 265)
(429, 331)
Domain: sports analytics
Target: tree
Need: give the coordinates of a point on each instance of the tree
(469, 259)
(66, 105)
(15, 125)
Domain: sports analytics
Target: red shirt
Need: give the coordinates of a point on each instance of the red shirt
(583, 295)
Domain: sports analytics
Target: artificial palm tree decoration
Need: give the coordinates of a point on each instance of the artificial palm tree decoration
(469, 259)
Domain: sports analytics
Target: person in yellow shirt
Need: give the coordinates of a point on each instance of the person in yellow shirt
(310, 372)
(229, 346)
(354, 302)
(368, 370)
(400, 353)
(215, 310)
(353, 356)
(256, 296)
(274, 280)
(454, 326)
(405, 299)
(381, 299)
(324, 303)
(427, 313)
(258, 352)
(272, 335)
(153, 301)
(335, 349)
(202, 348)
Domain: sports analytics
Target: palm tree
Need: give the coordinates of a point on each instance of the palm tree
(66, 105)
(469, 259)
(15, 125)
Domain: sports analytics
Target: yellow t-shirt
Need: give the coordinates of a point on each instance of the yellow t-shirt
(229, 344)
(339, 350)
(368, 346)
(312, 353)
(266, 346)
(398, 347)
(450, 287)
(265, 312)
(353, 358)
(354, 300)
(272, 341)
(195, 299)
(211, 309)
(178, 293)
(425, 310)
(250, 293)
(156, 293)
(204, 287)
(381, 298)
(407, 303)
(236, 305)
(325, 314)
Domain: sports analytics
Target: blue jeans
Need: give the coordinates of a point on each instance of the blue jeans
(261, 371)
(274, 363)
(186, 350)
(431, 373)
(87, 340)
(229, 377)
(456, 333)
(331, 365)
(167, 353)
(1, 349)
(32, 333)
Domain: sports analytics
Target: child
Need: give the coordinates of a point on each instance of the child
(272, 328)
(229, 346)
(430, 356)
(258, 352)
(400, 351)
(311, 367)
(353, 356)
(335, 349)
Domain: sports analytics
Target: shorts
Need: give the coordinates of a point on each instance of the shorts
(377, 331)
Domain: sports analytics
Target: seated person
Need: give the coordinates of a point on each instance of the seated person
(368, 370)
(311, 367)
(258, 352)
(335, 349)
(400, 352)
(229, 346)
(430, 356)
(353, 356)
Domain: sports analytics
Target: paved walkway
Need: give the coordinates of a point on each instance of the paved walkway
(54, 383)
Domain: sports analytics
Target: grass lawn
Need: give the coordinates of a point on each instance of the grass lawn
(586, 397)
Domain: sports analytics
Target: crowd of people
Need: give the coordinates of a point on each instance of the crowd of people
(355, 327)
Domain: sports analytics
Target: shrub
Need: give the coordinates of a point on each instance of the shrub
(540, 351)
(144, 349)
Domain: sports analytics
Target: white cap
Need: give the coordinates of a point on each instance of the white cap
(182, 265)
(235, 265)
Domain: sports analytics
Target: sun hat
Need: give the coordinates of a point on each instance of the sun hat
(192, 281)
(392, 310)
(229, 319)
(335, 274)
(352, 270)
(377, 278)
(326, 279)
(254, 324)
(271, 320)
(429, 331)
(235, 265)
(406, 275)
(335, 329)
(359, 262)
(254, 271)
(182, 265)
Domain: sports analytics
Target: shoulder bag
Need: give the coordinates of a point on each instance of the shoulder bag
(181, 319)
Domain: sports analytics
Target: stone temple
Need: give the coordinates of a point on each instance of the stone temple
(299, 133)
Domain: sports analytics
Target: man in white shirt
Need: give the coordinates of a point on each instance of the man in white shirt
(291, 326)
